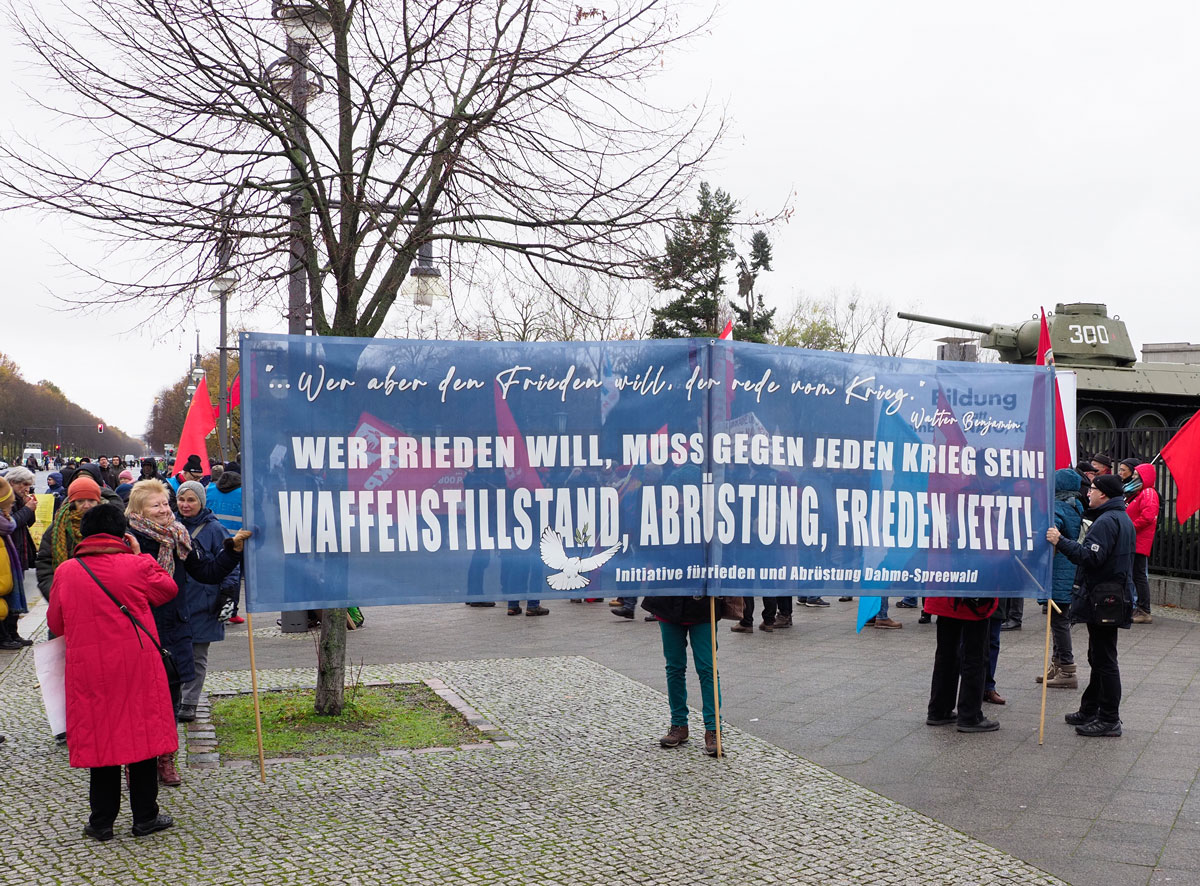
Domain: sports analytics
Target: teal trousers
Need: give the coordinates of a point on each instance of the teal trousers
(675, 640)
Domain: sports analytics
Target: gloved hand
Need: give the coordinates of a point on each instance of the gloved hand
(226, 609)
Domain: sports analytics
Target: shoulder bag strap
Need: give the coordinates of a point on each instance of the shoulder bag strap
(119, 604)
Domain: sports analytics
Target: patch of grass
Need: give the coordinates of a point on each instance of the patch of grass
(404, 715)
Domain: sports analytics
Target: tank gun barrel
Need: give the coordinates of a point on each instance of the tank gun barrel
(939, 321)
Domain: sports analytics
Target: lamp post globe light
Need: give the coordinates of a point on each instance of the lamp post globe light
(424, 282)
(303, 21)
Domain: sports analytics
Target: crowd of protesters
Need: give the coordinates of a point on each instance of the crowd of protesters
(183, 583)
(140, 576)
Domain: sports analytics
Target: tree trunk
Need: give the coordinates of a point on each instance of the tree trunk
(331, 663)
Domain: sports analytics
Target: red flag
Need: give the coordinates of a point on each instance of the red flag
(521, 475)
(200, 422)
(727, 332)
(235, 393)
(1182, 457)
(1062, 443)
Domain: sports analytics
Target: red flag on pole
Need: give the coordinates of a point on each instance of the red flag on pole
(1182, 457)
(522, 475)
(235, 393)
(200, 422)
(1062, 443)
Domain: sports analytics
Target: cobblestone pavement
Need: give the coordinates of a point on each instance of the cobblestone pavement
(585, 796)
(1090, 811)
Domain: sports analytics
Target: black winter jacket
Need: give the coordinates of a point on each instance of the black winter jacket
(680, 610)
(1106, 555)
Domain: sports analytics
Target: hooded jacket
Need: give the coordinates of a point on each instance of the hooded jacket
(1143, 509)
(1068, 518)
(224, 498)
(1106, 555)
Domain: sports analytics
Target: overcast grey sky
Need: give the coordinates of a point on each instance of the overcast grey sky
(959, 159)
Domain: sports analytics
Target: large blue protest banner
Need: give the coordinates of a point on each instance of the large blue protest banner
(382, 471)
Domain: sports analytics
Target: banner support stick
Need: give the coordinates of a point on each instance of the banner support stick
(262, 763)
(1051, 608)
(712, 624)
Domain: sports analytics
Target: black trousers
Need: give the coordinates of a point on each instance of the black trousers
(771, 606)
(1102, 697)
(959, 669)
(104, 794)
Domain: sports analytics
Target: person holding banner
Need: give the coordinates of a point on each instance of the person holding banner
(1068, 517)
(1102, 601)
(684, 620)
(960, 662)
(209, 605)
(160, 535)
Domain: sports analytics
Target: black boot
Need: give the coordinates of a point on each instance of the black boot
(10, 627)
(7, 642)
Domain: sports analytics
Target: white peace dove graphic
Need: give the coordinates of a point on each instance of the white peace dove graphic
(569, 577)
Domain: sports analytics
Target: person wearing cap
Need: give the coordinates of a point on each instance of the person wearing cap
(58, 541)
(1102, 464)
(193, 469)
(209, 605)
(125, 484)
(1105, 557)
(12, 573)
(1125, 468)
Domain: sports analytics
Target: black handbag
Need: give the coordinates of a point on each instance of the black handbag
(168, 659)
(1107, 599)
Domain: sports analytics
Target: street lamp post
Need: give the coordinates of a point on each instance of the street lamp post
(221, 286)
(304, 23)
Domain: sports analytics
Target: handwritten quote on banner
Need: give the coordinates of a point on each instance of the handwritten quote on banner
(382, 472)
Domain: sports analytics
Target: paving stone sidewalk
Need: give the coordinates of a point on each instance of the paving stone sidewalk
(1090, 811)
(586, 796)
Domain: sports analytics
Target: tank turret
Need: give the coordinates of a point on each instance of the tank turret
(1081, 334)
(1114, 389)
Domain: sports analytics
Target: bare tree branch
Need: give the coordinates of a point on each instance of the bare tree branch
(493, 126)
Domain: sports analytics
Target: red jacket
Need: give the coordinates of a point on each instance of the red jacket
(118, 704)
(953, 607)
(1143, 510)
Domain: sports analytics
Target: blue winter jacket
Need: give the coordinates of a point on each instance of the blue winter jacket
(1068, 516)
(173, 618)
(208, 537)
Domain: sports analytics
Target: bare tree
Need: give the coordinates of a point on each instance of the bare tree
(524, 127)
(596, 308)
(853, 323)
(476, 125)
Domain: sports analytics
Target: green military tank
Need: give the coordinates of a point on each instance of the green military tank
(1114, 389)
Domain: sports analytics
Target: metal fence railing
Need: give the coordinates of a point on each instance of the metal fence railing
(1176, 547)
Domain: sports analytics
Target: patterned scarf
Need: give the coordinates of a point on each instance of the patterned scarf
(173, 540)
(64, 534)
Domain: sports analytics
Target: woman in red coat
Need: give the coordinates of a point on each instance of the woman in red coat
(1142, 509)
(960, 662)
(118, 704)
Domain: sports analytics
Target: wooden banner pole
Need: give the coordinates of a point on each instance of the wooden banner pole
(262, 763)
(1051, 607)
(712, 624)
